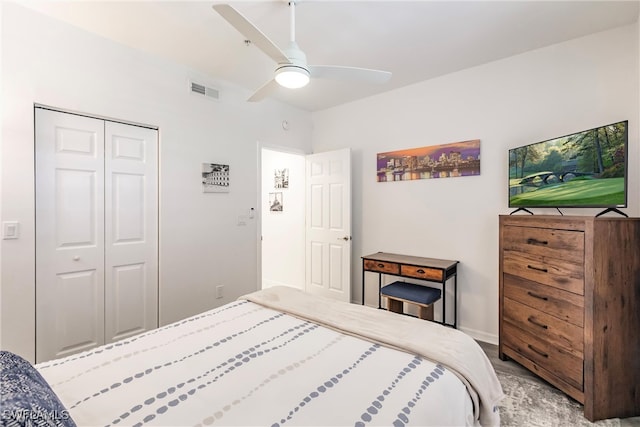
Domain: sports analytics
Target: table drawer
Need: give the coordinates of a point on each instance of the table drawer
(547, 242)
(554, 272)
(425, 273)
(561, 304)
(381, 266)
(559, 362)
(550, 329)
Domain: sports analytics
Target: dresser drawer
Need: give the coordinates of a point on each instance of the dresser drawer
(421, 272)
(545, 242)
(381, 266)
(564, 305)
(554, 272)
(562, 364)
(550, 329)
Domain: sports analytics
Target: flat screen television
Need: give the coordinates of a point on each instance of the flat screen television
(585, 169)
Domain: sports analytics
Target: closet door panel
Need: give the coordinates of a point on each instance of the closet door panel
(69, 233)
(131, 230)
(128, 299)
(72, 335)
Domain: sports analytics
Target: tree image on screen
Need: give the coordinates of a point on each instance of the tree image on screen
(583, 169)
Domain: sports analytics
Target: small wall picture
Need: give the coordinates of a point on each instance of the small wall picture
(275, 202)
(215, 178)
(281, 178)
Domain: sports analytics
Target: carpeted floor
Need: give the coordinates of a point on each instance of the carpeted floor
(530, 401)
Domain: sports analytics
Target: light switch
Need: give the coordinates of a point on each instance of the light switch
(10, 230)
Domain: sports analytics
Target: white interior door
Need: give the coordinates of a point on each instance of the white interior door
(96, 232)
(131, 244)
(69, 234)
(328, 224)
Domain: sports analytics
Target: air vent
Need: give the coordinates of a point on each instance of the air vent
(204, 90)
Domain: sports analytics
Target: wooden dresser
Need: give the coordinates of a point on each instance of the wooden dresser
(570, 306)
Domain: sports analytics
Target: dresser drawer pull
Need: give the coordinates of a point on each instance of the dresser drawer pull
(535, 350)
(531, 294)
(421, 271)
(533, 320)
(544, 270)
(533, 241)
(380, 265)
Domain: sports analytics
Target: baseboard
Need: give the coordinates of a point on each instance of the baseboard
(480, 335)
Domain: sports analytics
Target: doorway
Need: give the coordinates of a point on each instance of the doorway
(283, 214)
(305, 222)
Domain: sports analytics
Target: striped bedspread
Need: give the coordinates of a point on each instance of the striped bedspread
(244, 364)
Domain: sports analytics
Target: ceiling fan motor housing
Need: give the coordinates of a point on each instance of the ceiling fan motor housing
(296, 57)
(295, 73)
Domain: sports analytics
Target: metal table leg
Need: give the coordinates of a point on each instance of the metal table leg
(363, 282)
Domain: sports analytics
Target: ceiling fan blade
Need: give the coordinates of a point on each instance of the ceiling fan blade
(336, 72)
(250, 32)
(264, 91)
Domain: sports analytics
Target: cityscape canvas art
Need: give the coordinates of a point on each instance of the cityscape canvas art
(435, 161)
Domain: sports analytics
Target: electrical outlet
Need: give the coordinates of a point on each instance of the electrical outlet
(219, 291)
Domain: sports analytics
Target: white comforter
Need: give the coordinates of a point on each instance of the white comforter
(450, 347)
(246, 364)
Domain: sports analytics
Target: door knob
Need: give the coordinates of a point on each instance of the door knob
(345, 238)
(76, 258)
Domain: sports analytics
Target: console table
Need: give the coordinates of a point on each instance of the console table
(428, 269)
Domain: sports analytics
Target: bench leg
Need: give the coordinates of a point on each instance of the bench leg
(395, 306)
(426, 313)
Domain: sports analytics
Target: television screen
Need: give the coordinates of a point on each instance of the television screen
(584, 169)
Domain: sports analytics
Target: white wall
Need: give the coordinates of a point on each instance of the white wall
(531, 97)
(49, 62)
(283, 260)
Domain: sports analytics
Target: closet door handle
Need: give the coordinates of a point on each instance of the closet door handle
(76, 258)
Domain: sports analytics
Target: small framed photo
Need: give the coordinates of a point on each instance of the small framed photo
(281, 178)
(215, 178)
(275, 202)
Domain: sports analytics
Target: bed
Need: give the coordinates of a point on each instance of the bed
(276, 357)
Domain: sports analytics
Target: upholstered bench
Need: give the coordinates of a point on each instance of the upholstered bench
(398, 293)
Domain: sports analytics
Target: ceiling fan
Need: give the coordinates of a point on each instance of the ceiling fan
(292, 70)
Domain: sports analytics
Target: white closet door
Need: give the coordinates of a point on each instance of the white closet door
(96, 232)
(69, 234)
(131, 230)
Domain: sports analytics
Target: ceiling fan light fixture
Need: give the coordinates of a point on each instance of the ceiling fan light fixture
(292, 77)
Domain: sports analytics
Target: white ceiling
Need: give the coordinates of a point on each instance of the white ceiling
(415, 40)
